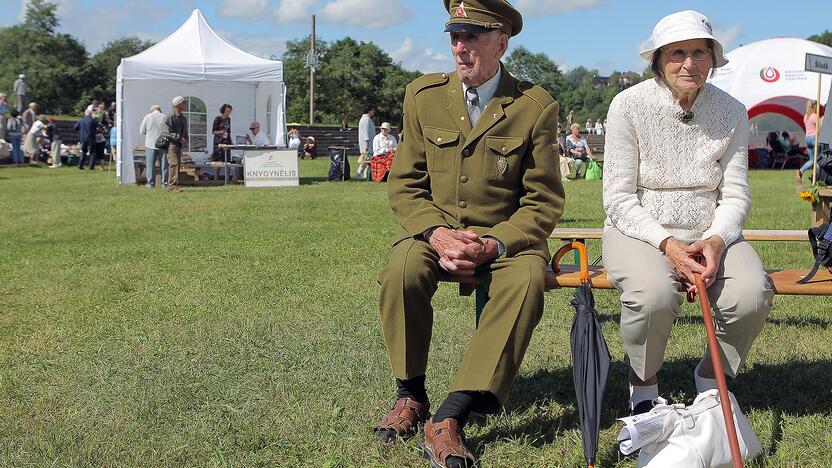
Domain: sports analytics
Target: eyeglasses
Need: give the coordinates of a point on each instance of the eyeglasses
(680, 55)
(254, 128)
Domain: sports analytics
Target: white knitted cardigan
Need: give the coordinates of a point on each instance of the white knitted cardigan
(664, 178)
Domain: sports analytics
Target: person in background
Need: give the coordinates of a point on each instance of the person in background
(384, 142)
(152, 127)
(111, 112)
(599, 127)
(577, 148)
(29, 116)
(32, 143)
(564, 161)
(310, 150)
(366, 133)
(221, 129)
(589, 126)
(569, 118)
(101, 134)
(4, 108)
(92, 107)
(676, 190)
(294, 139)
(810, 121)
(112, 142)
(257, 137)
(54, 138)
(344, 126)
(177, 130)
(14, 131)
(21, 90)
(87, 128)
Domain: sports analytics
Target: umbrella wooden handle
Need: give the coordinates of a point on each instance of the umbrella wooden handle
(716, 361)
(581, 248)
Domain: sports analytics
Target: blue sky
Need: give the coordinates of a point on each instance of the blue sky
(601, 34)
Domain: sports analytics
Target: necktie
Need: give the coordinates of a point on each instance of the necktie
(474, 111)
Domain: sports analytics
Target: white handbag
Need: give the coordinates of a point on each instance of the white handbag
(694, 436)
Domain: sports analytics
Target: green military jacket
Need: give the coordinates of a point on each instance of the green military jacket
(499, 179)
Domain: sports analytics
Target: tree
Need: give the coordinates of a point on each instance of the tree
(538, 69)
(824, 38)
(41, 16)
(99, 73)
(350, 74)
(51, 62)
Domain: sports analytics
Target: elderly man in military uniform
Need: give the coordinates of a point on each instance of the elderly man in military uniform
(475, 189)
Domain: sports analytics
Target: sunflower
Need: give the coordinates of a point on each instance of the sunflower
(808, 196)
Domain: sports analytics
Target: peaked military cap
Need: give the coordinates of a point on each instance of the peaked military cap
(479, 16)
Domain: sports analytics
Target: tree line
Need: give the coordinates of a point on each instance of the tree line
(63, 78)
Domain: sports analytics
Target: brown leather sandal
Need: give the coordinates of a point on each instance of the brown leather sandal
(445, 439)
(403, 420)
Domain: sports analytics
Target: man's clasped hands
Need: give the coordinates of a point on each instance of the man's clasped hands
(461, 252)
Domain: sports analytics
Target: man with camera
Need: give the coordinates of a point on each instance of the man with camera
(178, 133)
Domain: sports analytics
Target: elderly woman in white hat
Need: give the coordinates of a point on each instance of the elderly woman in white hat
(385, 141)
(676, 189)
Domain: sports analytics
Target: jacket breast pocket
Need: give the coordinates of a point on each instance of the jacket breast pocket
(503, 158)
(440, 149)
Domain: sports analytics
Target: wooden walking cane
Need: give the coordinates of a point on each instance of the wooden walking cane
(721, 384)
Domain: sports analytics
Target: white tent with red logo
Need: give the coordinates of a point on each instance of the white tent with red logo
(198, 64)
(768, 76)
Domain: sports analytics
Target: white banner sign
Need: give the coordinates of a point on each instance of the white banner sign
(271, 168)
(819, 64)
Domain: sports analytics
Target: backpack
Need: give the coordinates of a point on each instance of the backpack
(821, 240)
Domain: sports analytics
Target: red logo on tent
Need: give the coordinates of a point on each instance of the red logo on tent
(460, 11)
(769, 74)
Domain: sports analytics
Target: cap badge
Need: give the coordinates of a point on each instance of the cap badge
(460, 11)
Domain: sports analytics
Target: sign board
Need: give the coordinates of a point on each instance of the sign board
(819, 64)
(271, 168)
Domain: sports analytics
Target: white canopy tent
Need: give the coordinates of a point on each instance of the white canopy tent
(768, 76)
(197, 63)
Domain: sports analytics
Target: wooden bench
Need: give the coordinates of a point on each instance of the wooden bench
(569, 276)
(821, 213)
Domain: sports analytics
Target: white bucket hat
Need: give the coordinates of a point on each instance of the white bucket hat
(177, 100)
(682, 26)
(385, 125)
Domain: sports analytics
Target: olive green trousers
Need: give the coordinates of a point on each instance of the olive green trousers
(492, 359)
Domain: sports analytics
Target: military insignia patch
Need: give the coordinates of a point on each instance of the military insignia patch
(502, 165)
(460, 11)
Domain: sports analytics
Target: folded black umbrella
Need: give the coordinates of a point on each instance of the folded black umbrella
(590, 357)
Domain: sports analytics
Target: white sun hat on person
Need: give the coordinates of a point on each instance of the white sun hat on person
(682, 26)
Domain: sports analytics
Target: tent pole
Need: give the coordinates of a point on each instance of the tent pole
(312, 59)
(817, 134)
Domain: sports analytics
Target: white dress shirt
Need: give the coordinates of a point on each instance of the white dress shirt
(261, 139)
(382, 144)
(486, 90)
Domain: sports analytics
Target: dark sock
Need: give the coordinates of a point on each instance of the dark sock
(412, 388)
(458, 406)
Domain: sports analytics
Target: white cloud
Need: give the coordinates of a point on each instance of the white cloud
(727, 36)
(247, 9)
(264, 46)
(425, 60)
(365, 13)
(553, 7)
(290, 11)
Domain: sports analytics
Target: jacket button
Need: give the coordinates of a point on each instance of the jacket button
(466, 152)
(463, 179)
(462, 204)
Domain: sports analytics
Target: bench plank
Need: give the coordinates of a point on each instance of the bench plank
(785, 281)
(749, 234)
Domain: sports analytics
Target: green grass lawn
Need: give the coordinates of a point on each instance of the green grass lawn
(232, 327)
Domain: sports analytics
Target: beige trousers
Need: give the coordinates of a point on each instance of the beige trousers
(741, 298)
(565, 166)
